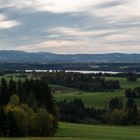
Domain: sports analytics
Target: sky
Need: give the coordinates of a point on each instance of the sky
(70, 26)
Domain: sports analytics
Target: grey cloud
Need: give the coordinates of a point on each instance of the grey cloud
(37, 26)
(110, 4)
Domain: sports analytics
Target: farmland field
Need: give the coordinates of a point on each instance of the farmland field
(96, 99)
(69, 131)
(99, 132)
(13, 76)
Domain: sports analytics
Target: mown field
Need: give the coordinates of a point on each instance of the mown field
(95, 99)
(55, 138)
(99, 132)
(69, 131)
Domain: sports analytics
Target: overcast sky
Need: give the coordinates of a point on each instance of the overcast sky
(70, 26)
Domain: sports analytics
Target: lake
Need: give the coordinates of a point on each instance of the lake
(74, 71)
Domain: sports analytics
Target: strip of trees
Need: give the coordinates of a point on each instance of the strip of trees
(27, 108)
(116, 113)
(79, 81)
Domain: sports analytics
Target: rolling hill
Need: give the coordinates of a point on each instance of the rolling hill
(45, 57)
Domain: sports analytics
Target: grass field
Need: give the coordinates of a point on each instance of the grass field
(69, 131)
(56, 138)
(96, 99)
(99, 132)
(125, 83)
(16, 77)
(13, 76)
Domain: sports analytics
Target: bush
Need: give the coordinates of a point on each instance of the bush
(19, 120)
(132, 77)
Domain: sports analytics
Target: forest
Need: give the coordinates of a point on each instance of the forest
(90, 66)
(114, 114)
(85, 82)
(27, 108)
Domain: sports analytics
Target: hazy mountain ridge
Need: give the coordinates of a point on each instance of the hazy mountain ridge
(45, 57)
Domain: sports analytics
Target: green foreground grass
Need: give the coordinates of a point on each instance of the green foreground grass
(99, 132)
(69, 131)
(56, 138)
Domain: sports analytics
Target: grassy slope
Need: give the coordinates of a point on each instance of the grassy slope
(69, 131)
(55, 138)
(98, 99)
(99, 132)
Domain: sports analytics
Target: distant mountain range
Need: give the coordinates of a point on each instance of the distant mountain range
(45, 57)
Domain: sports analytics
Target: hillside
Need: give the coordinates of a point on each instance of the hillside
(40, 57)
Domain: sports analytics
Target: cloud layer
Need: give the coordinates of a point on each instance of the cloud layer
(70, 26)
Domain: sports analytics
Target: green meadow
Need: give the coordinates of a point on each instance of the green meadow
(96, 132)
(95, 99)
(13, 76)
(69, 131)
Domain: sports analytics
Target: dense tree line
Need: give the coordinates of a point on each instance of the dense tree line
(120, 67)
(27, 108)
(115, 114)
(79, 81)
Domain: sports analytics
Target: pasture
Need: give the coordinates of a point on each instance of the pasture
(96, 99)
(69, 131)
(95, 132)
